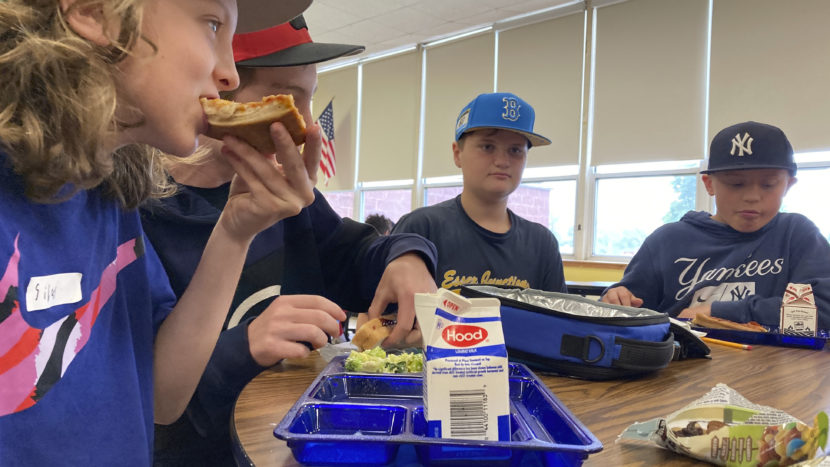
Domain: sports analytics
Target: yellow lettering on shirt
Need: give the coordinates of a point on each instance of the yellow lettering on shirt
(452, 280)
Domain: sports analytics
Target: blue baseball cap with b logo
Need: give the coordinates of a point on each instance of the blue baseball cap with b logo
(750, 145)
(500, 111)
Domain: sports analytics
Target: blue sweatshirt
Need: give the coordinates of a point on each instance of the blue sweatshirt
(742, 275)
(82, 295)
(315, 252)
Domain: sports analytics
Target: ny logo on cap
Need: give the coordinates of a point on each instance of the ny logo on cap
(511, 109)
(743, 145)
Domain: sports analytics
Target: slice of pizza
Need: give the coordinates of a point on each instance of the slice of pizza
(711, 322)
(251, 121)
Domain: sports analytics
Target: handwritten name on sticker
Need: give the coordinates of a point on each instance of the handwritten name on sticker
(58, 289)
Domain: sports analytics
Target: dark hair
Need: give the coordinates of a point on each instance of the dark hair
(380, 222)
(490, 132)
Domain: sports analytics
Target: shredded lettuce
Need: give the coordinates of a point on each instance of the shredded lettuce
(378, 361)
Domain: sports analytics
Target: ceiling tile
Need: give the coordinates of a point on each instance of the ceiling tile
(410, 20)
(382, 25)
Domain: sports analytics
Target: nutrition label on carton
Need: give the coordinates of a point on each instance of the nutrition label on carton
(469, 367)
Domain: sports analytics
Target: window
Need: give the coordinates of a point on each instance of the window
(805, 196)
(438, 194)
(391, 203)
(629, 209)
(342, 202)
(552, 204)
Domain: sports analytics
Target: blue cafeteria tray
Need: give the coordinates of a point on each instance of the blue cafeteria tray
(773, 337)
(361, 419)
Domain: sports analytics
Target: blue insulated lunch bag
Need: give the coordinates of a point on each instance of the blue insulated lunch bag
(575, 336)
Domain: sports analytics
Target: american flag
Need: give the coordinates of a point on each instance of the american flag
(326, 121)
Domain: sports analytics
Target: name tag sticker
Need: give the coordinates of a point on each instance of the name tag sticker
(47, 291)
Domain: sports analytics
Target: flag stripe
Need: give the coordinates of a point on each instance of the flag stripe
(327, 161)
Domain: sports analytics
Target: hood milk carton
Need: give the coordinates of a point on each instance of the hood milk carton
(466, 389)
(798, 311)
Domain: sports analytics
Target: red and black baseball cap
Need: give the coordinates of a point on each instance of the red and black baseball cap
(255, 15)
(288, 44)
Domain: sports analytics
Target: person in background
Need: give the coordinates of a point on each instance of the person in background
(93, 345)
(381, 223)
(734, 264)
(479, 240)
(298, 274)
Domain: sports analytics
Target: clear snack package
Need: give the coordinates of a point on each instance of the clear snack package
(724, 428)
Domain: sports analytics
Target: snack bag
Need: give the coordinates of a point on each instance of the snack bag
(724, 428)
(466, 389)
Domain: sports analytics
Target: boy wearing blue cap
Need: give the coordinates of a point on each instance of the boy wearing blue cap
(736, 263)
(480, 240)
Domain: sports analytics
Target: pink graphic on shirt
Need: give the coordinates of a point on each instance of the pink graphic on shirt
(33, 360)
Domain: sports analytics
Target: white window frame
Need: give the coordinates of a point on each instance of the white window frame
(385, 185)
(634, 170)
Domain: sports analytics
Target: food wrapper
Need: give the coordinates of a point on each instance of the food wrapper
(723, 428)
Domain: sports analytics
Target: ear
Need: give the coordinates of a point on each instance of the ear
(456, 151)
(790, 183)
(707, 182)
(87, 21)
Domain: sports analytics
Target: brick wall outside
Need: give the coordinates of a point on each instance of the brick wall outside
(438, 194)
(342, 202)
(391, 203)
(532, 203)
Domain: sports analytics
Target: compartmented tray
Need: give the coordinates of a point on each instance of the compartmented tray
(360, 419)
(773, 337)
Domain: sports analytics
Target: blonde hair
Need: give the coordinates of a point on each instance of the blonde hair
(58, 101)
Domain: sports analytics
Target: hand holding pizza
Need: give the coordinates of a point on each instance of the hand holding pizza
(270, 188)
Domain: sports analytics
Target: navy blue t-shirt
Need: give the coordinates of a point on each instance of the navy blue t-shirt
(526, 256)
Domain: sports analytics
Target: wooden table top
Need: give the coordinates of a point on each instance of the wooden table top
(796, 381)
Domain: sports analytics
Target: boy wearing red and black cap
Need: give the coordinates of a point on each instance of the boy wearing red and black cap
(298, 274)
(734, 264)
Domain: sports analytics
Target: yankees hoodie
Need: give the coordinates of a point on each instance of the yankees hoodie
(698, 260)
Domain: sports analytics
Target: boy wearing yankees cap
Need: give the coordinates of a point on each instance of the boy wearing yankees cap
(734, 264)
(480, 240)
(298, 273)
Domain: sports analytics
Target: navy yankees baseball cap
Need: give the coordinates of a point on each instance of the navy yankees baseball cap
(501, 111)
(750, 145)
